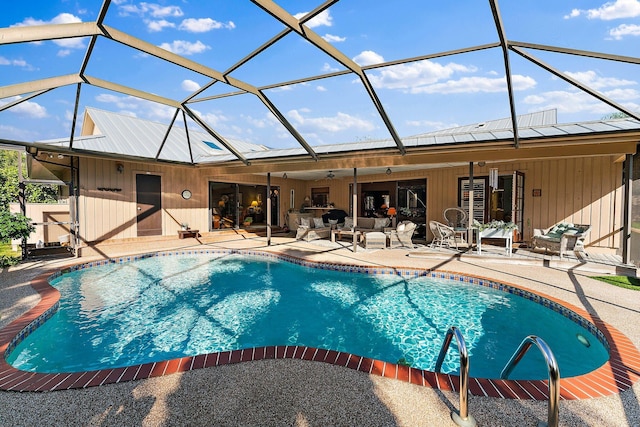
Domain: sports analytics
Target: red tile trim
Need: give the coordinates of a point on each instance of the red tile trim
(618, 374)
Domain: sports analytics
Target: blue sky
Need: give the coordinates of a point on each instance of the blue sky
(418, 97)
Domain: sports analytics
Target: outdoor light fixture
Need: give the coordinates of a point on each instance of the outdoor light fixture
(284, 176)
(120, 167)
(388, 171)
(61, 156)
(481, 164)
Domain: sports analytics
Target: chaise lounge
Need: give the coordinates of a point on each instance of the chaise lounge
(561, 237)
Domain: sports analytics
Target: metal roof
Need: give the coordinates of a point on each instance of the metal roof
(124, 135)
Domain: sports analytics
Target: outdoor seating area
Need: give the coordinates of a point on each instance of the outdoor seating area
(370, 233)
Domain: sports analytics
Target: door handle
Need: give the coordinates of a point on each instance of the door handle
(139, 208)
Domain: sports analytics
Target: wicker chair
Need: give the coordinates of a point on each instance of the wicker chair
(402, 234)
(456, 217)
(445, 236)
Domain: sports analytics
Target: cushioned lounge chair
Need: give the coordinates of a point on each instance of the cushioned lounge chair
(561, 237)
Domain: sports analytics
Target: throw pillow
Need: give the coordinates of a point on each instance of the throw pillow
(317, 223)
(348, 222)
(305, 222)
(380, 223)
(400, 227)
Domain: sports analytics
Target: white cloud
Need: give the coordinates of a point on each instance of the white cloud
(323, 19)
(414, 75)
(122, 102)
(19, 134)
(611, 10)
(624, 30)
(623, 94)
(27, 108)
(62, 18)
(595, 81)
(428, 124)
(183, 47)
(327, 68)
(477, 84)
(203, 25)
(573, 102)
(155, 26)
(337, 123)
(136, 107)
(14, 62)
(63, 52)
(368, 57)
(190, 85)
(321, 88)
(151, 9)
(333, 39)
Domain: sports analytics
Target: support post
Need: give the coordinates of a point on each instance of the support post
(268, 208)
(355, 209)
(626, 213)
(471, 200)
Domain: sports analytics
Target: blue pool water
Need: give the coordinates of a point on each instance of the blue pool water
(162, 308)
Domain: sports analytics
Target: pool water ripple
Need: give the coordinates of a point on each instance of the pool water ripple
(162, 308)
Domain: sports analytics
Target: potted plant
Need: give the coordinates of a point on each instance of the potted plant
(495, 228)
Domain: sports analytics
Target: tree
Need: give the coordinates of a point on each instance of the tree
(14, 226)
(616, 115)
(9, 186)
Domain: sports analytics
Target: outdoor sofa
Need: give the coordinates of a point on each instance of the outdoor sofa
(312, 229)
(561, 237)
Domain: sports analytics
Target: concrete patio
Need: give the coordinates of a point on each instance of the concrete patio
(299, 393)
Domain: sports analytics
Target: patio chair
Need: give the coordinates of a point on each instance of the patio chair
(445, 236)
(561, 237)
(402, 234)
(456, 217)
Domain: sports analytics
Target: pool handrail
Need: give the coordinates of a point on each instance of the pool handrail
(552, 366)
(463, 418)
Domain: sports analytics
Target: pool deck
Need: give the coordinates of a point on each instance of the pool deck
(291, 391)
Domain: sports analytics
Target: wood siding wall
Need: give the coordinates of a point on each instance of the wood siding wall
(584, 190)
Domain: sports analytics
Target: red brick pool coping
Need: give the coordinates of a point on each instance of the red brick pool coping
(616, 375)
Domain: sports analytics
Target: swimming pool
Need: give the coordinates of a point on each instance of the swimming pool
(160, 308)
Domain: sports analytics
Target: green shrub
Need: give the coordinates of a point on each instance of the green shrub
(14, 226)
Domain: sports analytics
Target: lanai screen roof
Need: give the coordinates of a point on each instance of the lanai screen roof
(267, 79)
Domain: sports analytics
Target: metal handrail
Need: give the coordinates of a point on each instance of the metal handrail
(554, 373)
(464, 419)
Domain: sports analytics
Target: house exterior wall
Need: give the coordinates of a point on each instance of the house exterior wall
(585, 190)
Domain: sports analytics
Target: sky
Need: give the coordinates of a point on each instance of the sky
(418, 97)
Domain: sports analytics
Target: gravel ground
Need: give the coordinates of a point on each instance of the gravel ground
(300, 393)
